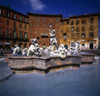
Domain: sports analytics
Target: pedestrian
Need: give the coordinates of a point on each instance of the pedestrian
(1, 51)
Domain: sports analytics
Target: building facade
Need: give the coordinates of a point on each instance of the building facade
(13, 28)
(84, 28)
(38, 24)
(17, 28)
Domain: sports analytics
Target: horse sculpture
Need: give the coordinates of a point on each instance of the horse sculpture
(33, 49)
(16, 49)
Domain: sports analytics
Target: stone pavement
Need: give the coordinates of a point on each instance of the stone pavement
(4, 69)
(84, 81)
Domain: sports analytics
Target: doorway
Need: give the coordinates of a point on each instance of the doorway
(91, 45)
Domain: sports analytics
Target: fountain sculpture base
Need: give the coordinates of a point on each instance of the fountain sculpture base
(42, 65)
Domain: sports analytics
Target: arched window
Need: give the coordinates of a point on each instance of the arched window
(77, 22)
(72, 22)
(77, 29)
(91, 19)
(83, 28)
(72, 44)
(44, 46)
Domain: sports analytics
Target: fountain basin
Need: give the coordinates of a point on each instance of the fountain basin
(87, 57)
(6, 57)
(42, 65)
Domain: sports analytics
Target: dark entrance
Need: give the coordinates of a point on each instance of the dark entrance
(91, 45)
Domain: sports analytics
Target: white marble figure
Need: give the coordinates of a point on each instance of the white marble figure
(50, 48)
(16, 49)
(53, 40)
(77, 48)
(33, 49)
(37, 51)
(41, 49)
(24, 51)
(61, 52)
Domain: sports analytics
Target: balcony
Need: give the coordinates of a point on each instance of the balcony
(44, 34)
(2, 36)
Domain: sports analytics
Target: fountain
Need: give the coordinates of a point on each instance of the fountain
(53, 58)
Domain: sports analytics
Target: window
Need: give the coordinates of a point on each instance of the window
(0, 20)
(20, 18)
(7, 14)
(44, 25)
(14, 16)
(50, 19)
(25, 34)
(14, 34)
(21, 35)
(72, 22)
(91, 35)
(31, 18)
(25, 45)
(72, 36)
(7, 32)
(83, 21)
(61, 23)
(44, 46)
(91, 19)
(77, 35)
(37, 38)
(77, 29)
(57, 31)
(83, 35)
(91, 27)
(44, 31)
(25, 19)
(57, 19)
(14, 24)
(31, 24)
(31, 31)
(38, 18)
(37, 31)
(20, 25)
(77, 22)
(25, 26)
(57, 25)
(83, 28)
(37, 24)
(72, 44)
(0, 31)
(61, 30)
(72, 29)
(31, 37)
(44, 19)
(7, 22)
(0, 11)
(67, 29)
(67, 22)
(50, 25)
(57, 38)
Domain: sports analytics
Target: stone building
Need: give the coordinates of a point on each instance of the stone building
(13, 28)
(38, 24)
(84, 28)
(17, 28)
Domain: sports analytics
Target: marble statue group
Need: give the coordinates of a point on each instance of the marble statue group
(53, 48)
